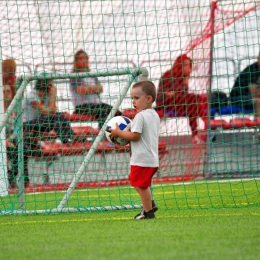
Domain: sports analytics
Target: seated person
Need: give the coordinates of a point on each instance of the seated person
(176, 100)
(219, 100)
(240, 95)
(9, 76)
(12, 145)
(41, 113)
(255, 92)
(86, 91)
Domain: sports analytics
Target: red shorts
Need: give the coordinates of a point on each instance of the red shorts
(141, 176)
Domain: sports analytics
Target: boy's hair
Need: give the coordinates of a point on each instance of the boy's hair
(147, 87)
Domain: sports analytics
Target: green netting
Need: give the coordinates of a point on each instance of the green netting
(71, 53)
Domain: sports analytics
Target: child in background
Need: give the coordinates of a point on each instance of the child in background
(9, 76)
(41, 113)
(144, 137)
(12, 145)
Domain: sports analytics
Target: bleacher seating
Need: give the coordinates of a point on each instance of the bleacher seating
(76, 118)
(230, 110)
(219, 123)
(85, 130)
(54, 149)
(51, 148)
(130, 113)
(81, 131)
(234, 123)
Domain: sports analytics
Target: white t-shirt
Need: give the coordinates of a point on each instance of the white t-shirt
(29, 113)
(145, 150)
(79, 99)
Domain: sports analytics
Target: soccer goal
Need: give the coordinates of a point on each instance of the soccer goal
(133, 74)
(209, 141)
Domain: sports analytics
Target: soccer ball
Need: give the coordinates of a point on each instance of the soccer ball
(124, 124)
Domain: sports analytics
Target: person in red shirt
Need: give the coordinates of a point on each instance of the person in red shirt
(9, 74)
(176, 100)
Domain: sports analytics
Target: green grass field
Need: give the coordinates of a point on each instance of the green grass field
(197, 220)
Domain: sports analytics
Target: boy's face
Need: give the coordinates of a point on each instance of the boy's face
(140, 100)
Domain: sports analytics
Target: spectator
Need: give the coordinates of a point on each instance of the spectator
(255, 92)
(241, 94)
(12, 149)
(174, 97)
(7, 91)
(219, 100)
(41, 114)
(9, 76)
(86, 91)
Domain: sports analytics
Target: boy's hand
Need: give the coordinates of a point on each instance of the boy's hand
(114, 132)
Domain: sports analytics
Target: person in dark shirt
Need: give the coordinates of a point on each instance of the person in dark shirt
(241, 94)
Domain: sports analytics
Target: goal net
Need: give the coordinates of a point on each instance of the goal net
(208, 145)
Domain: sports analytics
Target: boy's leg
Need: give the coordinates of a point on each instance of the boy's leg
(154, 206)
(146, 198)
(144, 193)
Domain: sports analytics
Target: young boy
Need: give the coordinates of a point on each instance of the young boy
(144, 137)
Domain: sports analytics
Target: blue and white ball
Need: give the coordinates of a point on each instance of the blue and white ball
(124, 124)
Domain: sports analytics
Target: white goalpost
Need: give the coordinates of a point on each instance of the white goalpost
(23, 81)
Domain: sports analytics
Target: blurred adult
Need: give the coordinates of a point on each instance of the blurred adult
(86, 91)
(175, 99)
(41, 114)
(244, 90)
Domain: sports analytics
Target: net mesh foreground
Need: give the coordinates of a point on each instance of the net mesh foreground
(218, 170)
